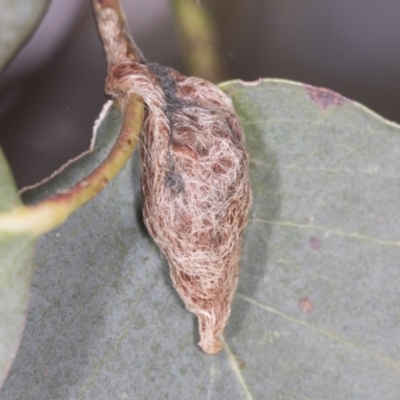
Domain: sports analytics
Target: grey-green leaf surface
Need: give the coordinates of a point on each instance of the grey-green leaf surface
(316, 312)
(16, 262)
(18, 19)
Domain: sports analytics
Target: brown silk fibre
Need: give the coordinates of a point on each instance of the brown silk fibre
(196, 188)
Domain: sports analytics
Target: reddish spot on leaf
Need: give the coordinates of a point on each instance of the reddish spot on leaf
(325, 97)
(306, 305)
(315, 243)
(241, 364)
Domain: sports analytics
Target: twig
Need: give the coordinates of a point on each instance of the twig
(114, 31)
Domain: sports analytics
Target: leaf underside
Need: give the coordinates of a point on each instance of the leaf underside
(315, 315)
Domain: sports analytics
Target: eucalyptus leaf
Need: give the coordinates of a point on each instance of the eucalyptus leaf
(16, 266)
(18, 19)
(315, 315)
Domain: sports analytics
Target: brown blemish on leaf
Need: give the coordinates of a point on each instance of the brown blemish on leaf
(315, 243)
(306, 305)
(325, 97)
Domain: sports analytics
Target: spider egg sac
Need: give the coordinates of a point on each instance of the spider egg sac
(196, 187)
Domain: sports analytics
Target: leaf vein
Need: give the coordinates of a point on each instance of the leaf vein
(353, 235)
(236, 370)
(372, 171)
(332, 335)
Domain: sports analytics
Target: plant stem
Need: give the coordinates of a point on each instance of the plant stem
(198, 36)
(114, 31)
(48, 214)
